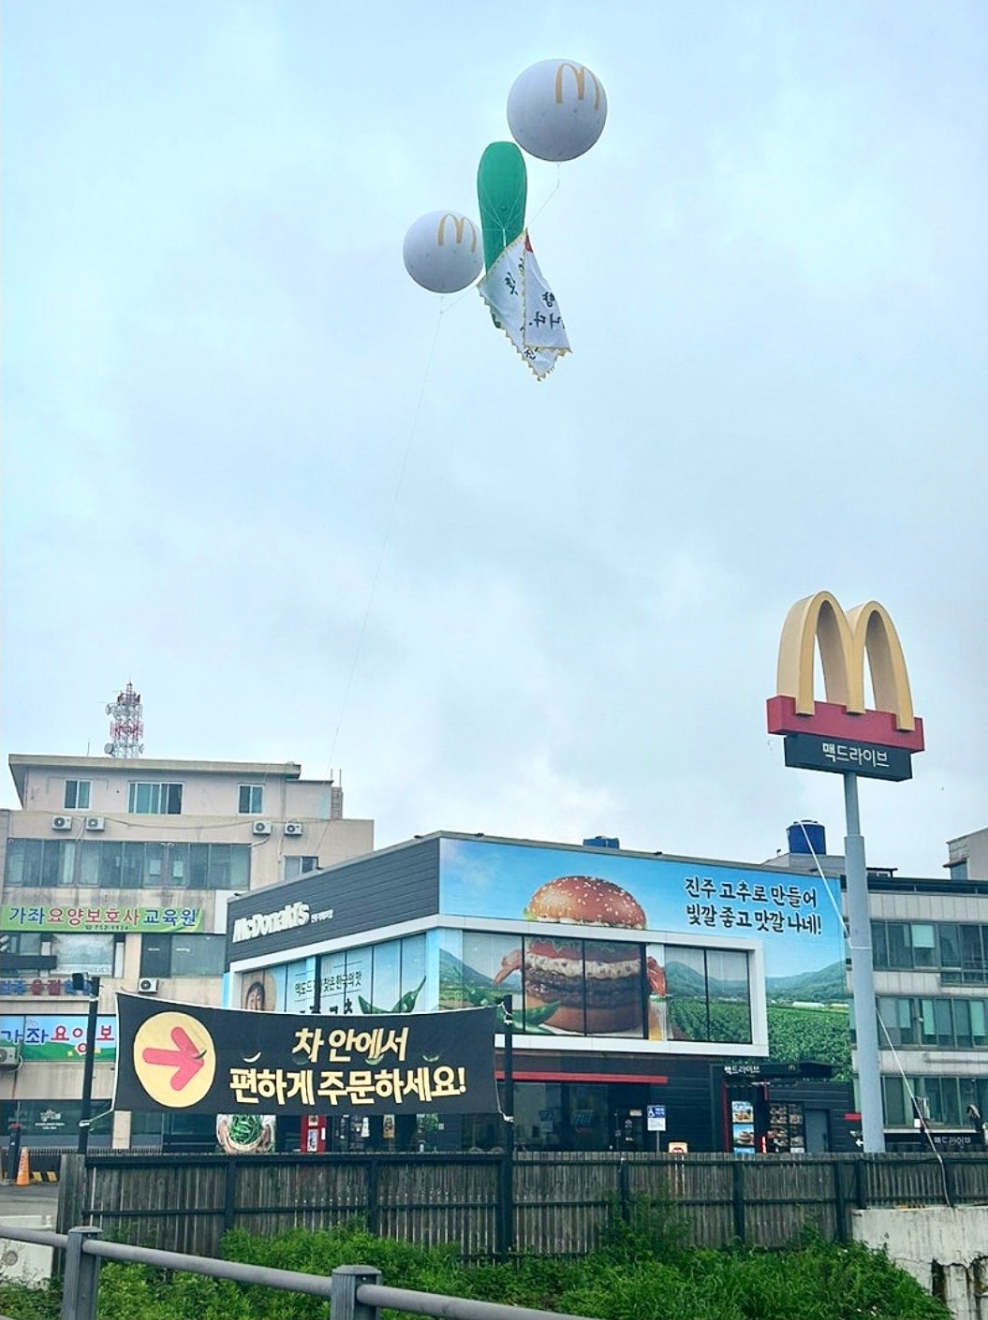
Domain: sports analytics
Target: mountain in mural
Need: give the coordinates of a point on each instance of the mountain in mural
(826, 985)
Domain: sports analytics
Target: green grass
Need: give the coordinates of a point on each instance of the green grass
(640, 1271)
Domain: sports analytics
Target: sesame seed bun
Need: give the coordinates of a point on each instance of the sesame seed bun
(585, 900)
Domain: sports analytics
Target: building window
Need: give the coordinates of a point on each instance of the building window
(251, 799)
(293, 867)
(108, 864)
(183, 955)
(946, 1023)
(601, 987)
(77, 793)
(155, 799)
(959, 953)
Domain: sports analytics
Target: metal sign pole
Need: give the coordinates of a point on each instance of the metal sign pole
(862, 975)
(88, 1065)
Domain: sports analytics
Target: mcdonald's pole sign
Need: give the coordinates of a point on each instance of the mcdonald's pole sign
(840, 734)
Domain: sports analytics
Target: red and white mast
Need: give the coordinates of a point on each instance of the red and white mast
(126, 725)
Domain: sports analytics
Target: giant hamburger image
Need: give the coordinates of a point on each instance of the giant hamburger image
(597, 986)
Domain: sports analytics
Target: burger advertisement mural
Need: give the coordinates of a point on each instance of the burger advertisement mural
(645, 948)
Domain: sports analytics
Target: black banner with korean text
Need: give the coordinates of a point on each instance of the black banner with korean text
(220, 1060)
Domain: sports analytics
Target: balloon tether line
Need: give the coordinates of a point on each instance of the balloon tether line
(548, 199)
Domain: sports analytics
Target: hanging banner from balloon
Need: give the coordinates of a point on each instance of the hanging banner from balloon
(556, 111)
(524, 306)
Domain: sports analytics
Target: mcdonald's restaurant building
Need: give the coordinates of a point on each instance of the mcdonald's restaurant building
(657, 1001)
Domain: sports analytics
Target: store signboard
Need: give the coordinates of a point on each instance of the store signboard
(56, 1038)
(100, 917)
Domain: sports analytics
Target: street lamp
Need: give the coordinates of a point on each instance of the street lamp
(79, 983)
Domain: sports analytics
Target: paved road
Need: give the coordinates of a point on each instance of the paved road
(38, 1199)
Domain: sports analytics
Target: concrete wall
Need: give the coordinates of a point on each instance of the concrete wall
(210, 815)
(946, 1250)
(24, 1262)
(972, 849)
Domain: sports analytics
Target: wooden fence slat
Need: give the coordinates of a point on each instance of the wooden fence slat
(562, 1200)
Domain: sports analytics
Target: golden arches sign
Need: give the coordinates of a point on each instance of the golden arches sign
(845, 639)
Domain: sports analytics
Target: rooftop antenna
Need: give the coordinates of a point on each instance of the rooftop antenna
(126, 725)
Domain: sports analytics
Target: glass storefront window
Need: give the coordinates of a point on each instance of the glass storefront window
(728, 995)
(450, 968)
(612, 974)
(358, 981)
(413, 970)
(300, 986)
(686, 979)
(385, 988)
(333, 973)
(553, 984)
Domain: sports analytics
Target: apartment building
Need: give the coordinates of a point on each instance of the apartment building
(930, 954)
(116, 875)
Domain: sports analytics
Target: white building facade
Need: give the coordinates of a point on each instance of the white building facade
(121, 869)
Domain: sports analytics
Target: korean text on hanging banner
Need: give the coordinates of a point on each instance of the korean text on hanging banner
(215, 1060)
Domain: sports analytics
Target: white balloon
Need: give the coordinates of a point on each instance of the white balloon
(557, 110)
(443, 251)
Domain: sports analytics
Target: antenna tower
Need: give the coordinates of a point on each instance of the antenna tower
(126, 725)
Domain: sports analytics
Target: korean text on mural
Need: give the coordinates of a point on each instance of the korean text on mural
(782, 907)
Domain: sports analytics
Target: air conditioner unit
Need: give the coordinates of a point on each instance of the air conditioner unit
(147, 985)
(10, 1056)
(95, 823)
(262, 827)
(293, 828)
(61, 822)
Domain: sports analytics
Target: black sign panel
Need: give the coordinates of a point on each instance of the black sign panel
(394, 885)
(809, 751)
(219, 1060)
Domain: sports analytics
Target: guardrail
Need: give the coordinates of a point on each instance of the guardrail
(354, 1292)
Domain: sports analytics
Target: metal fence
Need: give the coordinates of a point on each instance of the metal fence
(354, 1292)
(547, 1205)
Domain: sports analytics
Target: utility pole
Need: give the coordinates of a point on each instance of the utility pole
(89, 1061)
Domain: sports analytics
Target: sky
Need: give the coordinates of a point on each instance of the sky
(318, 514)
